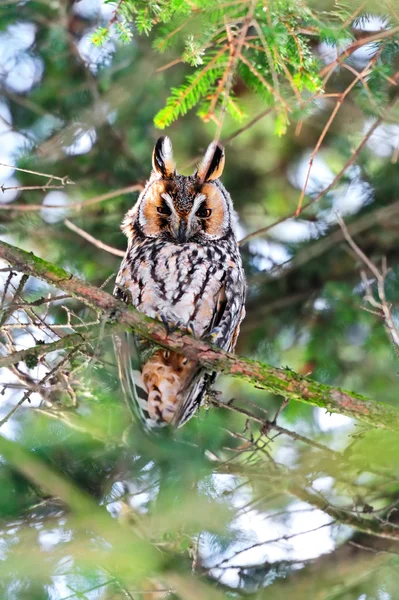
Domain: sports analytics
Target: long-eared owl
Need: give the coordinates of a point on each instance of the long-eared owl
(182, 266)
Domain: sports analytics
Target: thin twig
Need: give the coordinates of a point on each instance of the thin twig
(380, 276)
(29, 392)
(326, 128)
(337, 178)
(279, 381)
(226, 82)
(93, 240)
(281, 538)
(30, 188)
(137, 187)
(64, 180)
(379, 35)
(68, 341)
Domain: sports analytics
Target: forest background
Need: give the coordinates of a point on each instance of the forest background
(286, 484)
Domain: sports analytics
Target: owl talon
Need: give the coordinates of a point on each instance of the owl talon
(191, 329)
(123, 293)
(113, 315)
(213, 334)
(175, 326)
(164, 321)
(168, 327)
(214, 395)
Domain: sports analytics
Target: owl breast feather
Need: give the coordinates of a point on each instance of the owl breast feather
(196, 286)
(178, 282)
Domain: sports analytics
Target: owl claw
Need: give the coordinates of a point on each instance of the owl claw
(164, 321)
(168, 327)
(215, 395)
(213, 334)
(191, 329)
(113, 315)
(174, 327)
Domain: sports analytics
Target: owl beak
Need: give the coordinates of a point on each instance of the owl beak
(182, 231)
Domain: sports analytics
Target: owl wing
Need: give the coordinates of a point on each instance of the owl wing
(229, 311)
(128, 355)
(143, 376)
(129, 351)
(223, 331)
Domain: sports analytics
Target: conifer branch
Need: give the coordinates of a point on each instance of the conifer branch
(282, 382)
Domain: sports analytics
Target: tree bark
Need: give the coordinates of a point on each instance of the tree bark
(282, 382)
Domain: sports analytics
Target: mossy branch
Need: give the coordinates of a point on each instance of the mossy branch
(283, 382)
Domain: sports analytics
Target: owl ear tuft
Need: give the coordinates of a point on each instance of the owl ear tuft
(162, 158)
(212, 164)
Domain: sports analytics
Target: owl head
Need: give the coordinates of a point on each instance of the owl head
(178, 208)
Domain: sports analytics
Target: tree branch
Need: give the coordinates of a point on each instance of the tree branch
(137, 187)
(93, 240)
(90, 516)
(282, 382)
(383, 529)
(68, 341)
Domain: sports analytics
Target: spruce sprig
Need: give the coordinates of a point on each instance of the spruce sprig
(276, 57)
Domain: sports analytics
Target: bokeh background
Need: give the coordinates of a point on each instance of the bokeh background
(219, 508)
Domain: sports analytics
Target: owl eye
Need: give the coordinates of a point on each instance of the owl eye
(203, 213)
(164, 210)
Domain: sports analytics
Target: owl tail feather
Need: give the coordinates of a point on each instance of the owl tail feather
(130, 375)
(166, 389)
(194, 396)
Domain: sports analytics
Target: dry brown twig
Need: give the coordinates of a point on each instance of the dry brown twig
(384, 308)
(235, 45)
(63, 180)
(337, 179)
(52, 372)
(55, 379)
(377, 36)
(137, 187)
(338, 104)
(93, 240)
(279, 381)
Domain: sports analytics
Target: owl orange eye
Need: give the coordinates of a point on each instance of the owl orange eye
(204, 213)
(163, 210)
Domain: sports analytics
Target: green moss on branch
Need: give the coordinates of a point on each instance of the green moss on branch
(283, 382)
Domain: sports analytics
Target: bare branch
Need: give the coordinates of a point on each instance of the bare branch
(137, 187)
(337, 178)
(64, 180)
(323, 134)
(93, 240)
(68, 341)
(283, 382)
(29, 392)
(378, 35)
(380, 275)
(388, 531)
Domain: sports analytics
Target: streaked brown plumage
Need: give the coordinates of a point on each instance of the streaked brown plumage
(182, 266)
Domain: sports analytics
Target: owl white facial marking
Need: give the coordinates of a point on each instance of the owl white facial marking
(197, 202)
(169, 201)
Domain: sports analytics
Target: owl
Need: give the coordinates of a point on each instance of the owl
(183, 267)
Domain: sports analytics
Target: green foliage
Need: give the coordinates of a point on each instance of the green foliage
(100, 36)
(197, 87)
(167, 509)
(124, 31)
(283, 63)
